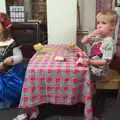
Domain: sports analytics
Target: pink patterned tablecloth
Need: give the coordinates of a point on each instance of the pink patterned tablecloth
(57, 82)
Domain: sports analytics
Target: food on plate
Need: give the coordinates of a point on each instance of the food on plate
(38, 47)
(70, 45)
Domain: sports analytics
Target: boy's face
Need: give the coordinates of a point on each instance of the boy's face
(104, 25)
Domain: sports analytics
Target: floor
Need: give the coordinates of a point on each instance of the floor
(60, 112)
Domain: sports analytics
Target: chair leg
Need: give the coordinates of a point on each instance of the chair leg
(118, 95)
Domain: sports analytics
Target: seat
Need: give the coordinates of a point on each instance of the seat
(112, 81)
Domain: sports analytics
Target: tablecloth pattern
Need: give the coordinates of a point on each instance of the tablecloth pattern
(57, 82)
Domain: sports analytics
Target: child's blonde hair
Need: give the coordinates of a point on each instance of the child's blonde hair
(112, 15)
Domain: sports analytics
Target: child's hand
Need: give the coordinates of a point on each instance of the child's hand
(1, 66)
(86, 61)
(82, 62)
(95, 33)
(8, 61)
(88, 37)
(83, 59)
(81, 54)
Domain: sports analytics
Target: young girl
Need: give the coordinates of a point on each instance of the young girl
(102, 49)
(11, 68)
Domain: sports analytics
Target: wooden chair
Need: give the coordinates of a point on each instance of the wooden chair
(118, 96)
(112, 81)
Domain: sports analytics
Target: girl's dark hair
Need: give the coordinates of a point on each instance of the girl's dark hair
(4, 20)
(6, 33)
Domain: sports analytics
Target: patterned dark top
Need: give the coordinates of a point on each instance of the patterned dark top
(6, 50)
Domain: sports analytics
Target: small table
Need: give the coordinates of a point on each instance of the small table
(57, 82)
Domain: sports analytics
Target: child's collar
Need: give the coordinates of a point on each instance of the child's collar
(6, 43)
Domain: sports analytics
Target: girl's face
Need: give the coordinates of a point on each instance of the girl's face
(104, 25)
(1, 28)
(1, 32)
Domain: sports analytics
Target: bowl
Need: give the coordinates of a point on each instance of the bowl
(38, 47)
(70, 46)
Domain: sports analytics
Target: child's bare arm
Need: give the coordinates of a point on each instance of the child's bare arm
(16, 58)
(88, 37)
(98, 62)
(95, 62)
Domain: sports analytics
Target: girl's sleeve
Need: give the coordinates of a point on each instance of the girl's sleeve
(17, 55)
(108, 50)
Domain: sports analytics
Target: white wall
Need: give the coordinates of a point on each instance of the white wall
(87, 14)
(2, 6)
(61, 19)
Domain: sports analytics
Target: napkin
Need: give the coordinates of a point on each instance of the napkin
(45, 56)
(59, 58)
(48, 48)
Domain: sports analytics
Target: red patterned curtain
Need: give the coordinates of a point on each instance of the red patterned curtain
(18, 2)
(101, 4)
(118, 38)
